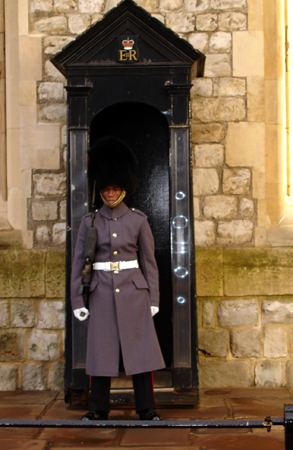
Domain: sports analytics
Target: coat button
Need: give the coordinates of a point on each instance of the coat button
(115, 219)
(115, 253)
(114, 235)
(116, 272)
(117, 290)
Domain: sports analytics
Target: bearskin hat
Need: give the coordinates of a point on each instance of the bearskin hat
(112, 163)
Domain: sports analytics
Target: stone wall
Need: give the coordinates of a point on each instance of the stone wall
(245, 312)
(245, 288)
(32, 319)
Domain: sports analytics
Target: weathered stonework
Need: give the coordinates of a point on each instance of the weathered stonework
(220, 207)
(208, 155)
(223, 374)
(34, 377)
(238, 313)
(213, 343)
(22, 313)
(275, 342)
(246, 344)
(205, 181)
(269, 374)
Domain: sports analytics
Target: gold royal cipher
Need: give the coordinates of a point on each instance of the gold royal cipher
(127, 49)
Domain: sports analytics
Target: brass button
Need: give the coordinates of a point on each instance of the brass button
(133, 209)
(115, 253)
(114, 235)
(115, 219)
(117, 290)
(116, 272)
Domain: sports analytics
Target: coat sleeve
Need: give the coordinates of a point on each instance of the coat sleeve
(77, 267)
(148, 265)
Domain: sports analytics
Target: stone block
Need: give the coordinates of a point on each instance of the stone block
(43, 346)
(27, 116)
(289, 373)
(51, 315)
(204, 233)
(224, 374)
(202, 133)
(250, 43)
(34, 377)
(196, 208)
(232, 21)
(220, 207)
(196, 6)
(4, 313)
(65, 6)
(55, 274)
(245, 343)
(209, 272)
(209, 314)
(53, 113)
(277, 311)
(98, 17)
(22, 273)
(224, 109)
(218, 65)
(22, 313)
(228, 4)
(30, 49)
(50, 184)
(56, 376)
(229, 87)
(246, 207)
(12, 345)
(260, 237)
(220, 42)
(199, 41)
(78, 23)
(206, 22)
(27, 93)
(256, 14)
(50, 90)
(213, 343)
(202, 87)
(238, 313)
(249, 139)
(235, 232)
(41, 6)
(181, 22)
(43, 235)
(275, 342)
(208, 155)
(8, 377)
(44, 210)
(51, 25)
(62, 210)
(54, 44)
(256, 99)
(236, 181)
(26, 184)
(170, 5)
(258, 271)
(269, 374)
(52, 72)
(59, 233)
(205, 181)
(148, 5)
(90, 6)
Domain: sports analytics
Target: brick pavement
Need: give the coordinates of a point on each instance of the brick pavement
(214, 404)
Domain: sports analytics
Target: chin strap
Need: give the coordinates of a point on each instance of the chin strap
(116, 203)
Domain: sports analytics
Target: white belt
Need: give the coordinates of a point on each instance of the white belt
(117, 265)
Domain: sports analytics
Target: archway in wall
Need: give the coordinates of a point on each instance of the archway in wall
(146, 131)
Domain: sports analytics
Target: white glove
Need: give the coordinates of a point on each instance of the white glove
(81, 313)
(154, 310)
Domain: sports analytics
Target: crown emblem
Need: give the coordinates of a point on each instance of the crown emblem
(128, 44)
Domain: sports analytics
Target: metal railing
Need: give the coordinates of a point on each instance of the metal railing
(268, 423)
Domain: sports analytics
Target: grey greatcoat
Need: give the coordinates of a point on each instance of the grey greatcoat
(119, 303)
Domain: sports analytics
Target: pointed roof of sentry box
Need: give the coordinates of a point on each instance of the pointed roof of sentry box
(158, 45)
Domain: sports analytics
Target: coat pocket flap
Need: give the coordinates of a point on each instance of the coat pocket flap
(93, 284)
(140, 282)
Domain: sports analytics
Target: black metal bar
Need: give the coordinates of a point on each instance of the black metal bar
(135, 424)
(288, 423)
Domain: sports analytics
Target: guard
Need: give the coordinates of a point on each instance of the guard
(124, 289)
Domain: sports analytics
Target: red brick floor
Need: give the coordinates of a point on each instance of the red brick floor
(214, 404)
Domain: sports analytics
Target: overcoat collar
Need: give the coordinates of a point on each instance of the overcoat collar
(114, 213)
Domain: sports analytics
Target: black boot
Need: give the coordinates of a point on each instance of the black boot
(149, 414)
(95, 415)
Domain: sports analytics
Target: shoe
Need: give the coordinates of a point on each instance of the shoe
(95, 415)
(149, 414)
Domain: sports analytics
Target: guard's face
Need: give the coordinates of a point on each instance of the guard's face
(111, 194)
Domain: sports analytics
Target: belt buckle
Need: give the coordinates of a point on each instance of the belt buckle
(114, 265)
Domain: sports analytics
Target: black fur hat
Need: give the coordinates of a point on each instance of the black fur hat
(112, 163)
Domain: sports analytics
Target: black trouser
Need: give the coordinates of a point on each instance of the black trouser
(143, 392)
